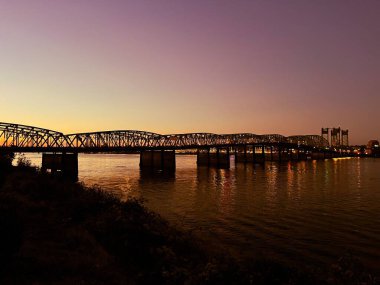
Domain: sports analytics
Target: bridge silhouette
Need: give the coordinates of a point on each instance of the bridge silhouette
(158, 150)
(34, 139)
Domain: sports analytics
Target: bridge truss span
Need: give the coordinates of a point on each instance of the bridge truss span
(309, 140)
(18, 137)
(113, 139)
(21, 136)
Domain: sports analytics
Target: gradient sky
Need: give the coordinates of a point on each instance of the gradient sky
(287, 67)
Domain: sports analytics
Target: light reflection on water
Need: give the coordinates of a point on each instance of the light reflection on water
(299, 212)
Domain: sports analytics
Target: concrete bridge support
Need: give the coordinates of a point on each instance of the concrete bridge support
(280, 152)
(250, 154)
(302, 155)
(244, 154)
(240, 154)
(285, 154)
(220, 159)
(296, 154)
(271, 156)
(158, 159)
(259, 154)
(261, 158)
(328, 154)
(317, 155)
(66, 163)
(277, 153)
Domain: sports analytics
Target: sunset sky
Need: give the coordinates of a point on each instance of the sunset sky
(288, 67)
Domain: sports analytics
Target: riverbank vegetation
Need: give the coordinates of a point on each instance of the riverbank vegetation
(58, 232)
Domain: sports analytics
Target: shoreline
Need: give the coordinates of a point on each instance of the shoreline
(65, 233)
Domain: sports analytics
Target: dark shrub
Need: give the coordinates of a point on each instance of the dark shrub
(5, 164)
(10, 235)
(6, 159)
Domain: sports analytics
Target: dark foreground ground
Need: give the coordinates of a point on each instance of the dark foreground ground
(58, 232)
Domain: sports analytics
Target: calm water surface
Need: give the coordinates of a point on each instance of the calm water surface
(309, 212)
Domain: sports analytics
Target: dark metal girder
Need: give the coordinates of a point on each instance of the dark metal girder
(21, 138)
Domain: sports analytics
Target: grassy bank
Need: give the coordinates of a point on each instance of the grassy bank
(58, 232)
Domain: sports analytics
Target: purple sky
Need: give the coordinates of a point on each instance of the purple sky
(288, 67)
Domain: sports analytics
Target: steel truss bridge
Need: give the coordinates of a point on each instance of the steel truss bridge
(22, 138)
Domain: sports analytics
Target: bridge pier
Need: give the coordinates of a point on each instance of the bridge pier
(252, 156)
(297, 154)
(286, 154)
(291, 154)
(271, 153)
(203, 157)
(66, 163)
(218, 159)
(302, 154)
(245, 156)
(158, 159)
(262, 154)
(241, 154)
(317, 155)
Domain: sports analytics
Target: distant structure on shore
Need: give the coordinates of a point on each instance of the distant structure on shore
(335, 136)
(373, 148)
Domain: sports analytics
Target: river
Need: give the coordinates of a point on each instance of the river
(307, 212)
